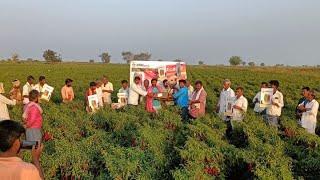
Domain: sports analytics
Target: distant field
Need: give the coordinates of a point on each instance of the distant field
(131, 144)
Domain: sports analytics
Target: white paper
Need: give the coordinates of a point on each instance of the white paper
(266, 97)
(93, 102)
(46, 92)
(122, 98)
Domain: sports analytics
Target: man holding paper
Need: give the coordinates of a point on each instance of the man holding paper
(226, 94)
(274, 110)
(134, 91)
(257, 99)
(182, 99)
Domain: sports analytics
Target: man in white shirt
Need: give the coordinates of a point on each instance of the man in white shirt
(40, 85)
(309, 112)
(135, 91)
(190, 88)
(274, 110)
(256, 100)
(99, 93)
(226, 93)
(124, 87)
(107, 90)
(27, 88)
(240, 105)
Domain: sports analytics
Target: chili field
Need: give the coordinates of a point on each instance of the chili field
(132, 144)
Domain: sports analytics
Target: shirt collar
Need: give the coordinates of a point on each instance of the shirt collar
(10, 159)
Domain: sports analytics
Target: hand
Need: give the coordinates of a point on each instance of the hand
(275, 104)
(36, 153)
(236, 107)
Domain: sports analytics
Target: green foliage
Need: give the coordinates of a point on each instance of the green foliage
(235, 60)
(133, 144)
(51, 56)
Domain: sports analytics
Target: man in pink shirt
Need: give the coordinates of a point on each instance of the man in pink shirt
(11, 166)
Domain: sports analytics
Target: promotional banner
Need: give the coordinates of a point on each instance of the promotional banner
(161, 70)
(46, 92)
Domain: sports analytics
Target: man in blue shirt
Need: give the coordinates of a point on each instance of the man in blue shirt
(182, 99)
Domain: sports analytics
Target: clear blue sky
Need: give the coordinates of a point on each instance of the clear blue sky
(270, 31)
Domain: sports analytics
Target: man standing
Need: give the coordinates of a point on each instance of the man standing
(226, 93)
(67, 91)
(198, 101)
(304, 100)
(27, 88)
(11, 166)
(257, 99)
(182, 99)
(124, 87)
(274, 110)
(135, 90)
(190, 88)
(240, 105)
(309, 112)
(107, 90)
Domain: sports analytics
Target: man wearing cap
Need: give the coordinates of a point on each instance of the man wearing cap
(27, 88)
(15, 92)
(67, 91)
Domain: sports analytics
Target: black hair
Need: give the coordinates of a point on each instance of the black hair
(93, 84)
(10, 131)
(264, 83)
(241, 88)
(164, 81)
(68, 80)
(41, 78)
(198, 82)
(33, 95)
(306, 88)
(182, 81)
(124, 81)
(154, 79)
(274, 82)
(137, 77)
(30, 78)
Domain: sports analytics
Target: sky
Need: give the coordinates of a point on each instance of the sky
(268, 31)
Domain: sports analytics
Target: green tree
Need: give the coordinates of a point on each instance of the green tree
(251, 64)
(105, 57)
(201, 62)
(178, 60)
(235, 60)
(51, 56)
(15, 57)
(144, 56)
(243, 63)
(127, 56)
(91, 61)
(262, 64)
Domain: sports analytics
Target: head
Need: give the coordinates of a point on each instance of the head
(146, 83)
(311, 95)
(10, 134)
(226, 84)
(198, 85)
(93, 86)
(42, 80)
(68, 82)
(305, 91)
(274, 84)
(104, 79)
(165, 83)
(137, 80)
(182, 83)
(239, 91)
(34, 96)
(124, 84)
(16, 84)
(30, 79)
(187, 83)
(154, 82)
(264, 85)
(1, 88)
(98, 83)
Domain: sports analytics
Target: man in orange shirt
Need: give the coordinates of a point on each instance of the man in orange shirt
(11, 166)
(67, 91)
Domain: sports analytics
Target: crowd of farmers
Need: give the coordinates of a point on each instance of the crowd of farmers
(153, 94)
